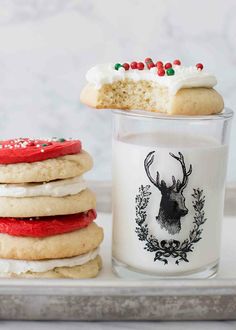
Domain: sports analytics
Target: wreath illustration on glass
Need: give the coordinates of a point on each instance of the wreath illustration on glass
(172, 209)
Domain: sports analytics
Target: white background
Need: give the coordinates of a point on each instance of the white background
(46, 47)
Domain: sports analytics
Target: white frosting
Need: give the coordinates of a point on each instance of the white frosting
(23, 266)
(184, 77)
(57, 188)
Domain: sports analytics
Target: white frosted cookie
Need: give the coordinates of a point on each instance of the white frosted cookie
(56, 188)
(88, 270)
(46, 206)
(51, 169)
(189, 91)
(52, 247)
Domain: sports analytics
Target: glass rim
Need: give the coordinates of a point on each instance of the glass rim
(226, 114)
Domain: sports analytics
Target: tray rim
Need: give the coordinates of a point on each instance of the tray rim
(189, 287)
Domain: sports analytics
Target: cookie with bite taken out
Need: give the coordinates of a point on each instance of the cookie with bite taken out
(169, 88)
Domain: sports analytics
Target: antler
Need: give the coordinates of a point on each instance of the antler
(181, 185)
(147, 163)
(174, 183)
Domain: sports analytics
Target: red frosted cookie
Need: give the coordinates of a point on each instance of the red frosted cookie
(25, 150)
(46, 226)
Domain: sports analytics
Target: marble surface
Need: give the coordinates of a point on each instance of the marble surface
(46, 48)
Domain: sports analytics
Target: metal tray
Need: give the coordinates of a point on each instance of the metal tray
(110, 298)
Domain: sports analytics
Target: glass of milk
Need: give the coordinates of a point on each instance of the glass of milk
(168, 193)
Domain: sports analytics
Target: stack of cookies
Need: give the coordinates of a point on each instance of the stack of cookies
(47, 213)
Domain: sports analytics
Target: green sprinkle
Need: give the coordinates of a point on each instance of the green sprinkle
(170, 72)
(44, 145)
(61, 140)
(117, 66)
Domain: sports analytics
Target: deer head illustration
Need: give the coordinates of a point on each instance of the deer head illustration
(172, 205)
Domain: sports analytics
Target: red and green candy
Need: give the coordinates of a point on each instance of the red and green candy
(162, 69)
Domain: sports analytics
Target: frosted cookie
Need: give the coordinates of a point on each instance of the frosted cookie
(89, 269)
(41, 206)
(48, 170)
(57, 246)
(169, 88)
(46, 226)
(56, 188)
(47, 212)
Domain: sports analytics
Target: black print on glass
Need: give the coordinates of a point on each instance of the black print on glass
(172, 206)
(171, 248)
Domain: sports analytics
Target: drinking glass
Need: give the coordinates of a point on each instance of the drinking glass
(168, 193)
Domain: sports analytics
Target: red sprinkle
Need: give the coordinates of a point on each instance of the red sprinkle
(159, 64)
(161, 72)
(150, 65)
(134, 65)
(199, 66)
(140, 66)
(46, 226)
(147, 60)
(126, 66)
(177, 62)
(168, 65)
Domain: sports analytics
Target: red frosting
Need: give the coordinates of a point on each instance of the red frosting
(25, 150)
(46, 226)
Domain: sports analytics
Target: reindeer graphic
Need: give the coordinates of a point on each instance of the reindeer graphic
(172, 206)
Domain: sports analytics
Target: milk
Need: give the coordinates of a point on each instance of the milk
(208, 160)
